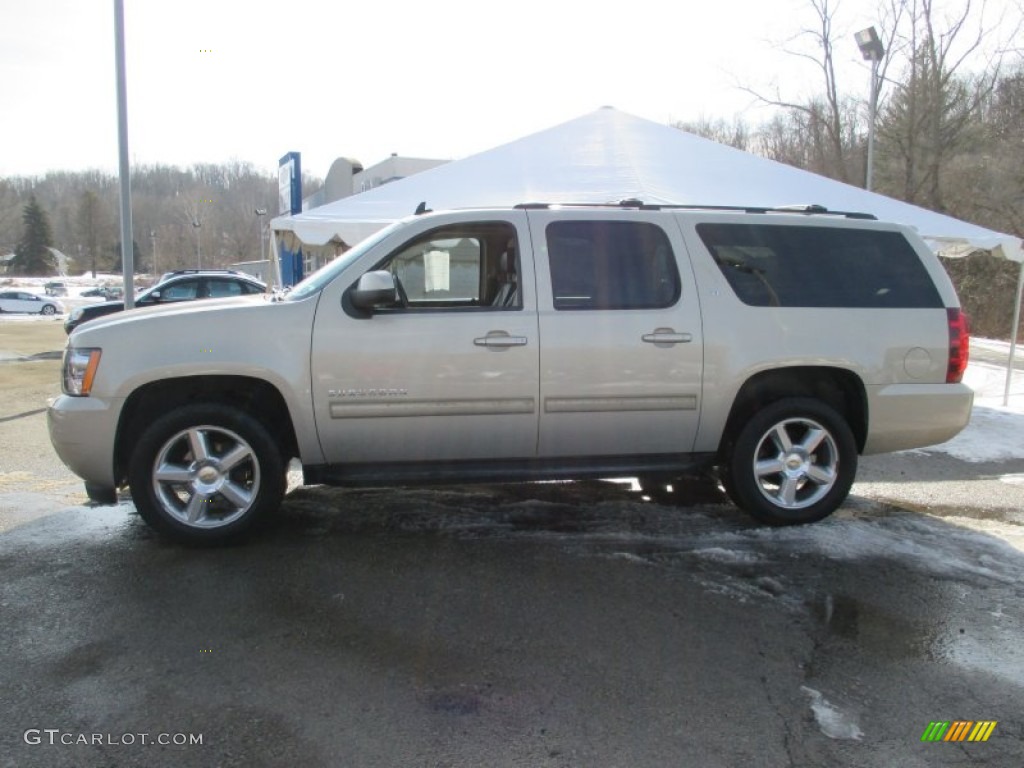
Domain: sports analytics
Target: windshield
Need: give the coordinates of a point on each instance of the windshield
(328, 272)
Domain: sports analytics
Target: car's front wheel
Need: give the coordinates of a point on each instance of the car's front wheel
(205, 473)
(793, 462)
(49, 309)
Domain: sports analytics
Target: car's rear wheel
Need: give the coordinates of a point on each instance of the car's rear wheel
(793, 462)
(206, 473)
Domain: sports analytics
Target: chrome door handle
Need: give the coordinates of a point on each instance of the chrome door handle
(667, 336)
(500, 340)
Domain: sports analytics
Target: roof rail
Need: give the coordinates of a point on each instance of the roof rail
(811, 209)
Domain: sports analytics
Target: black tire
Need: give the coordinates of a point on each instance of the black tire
(48, 309)
(794, 462)
(238, 478)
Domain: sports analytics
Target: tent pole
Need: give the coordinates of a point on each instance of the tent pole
(1013, 335)
(275, 261)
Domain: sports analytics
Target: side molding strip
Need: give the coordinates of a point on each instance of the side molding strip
(611, 404)
(398, 408)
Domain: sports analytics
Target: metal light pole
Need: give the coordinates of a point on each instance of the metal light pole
(152, 242)
(260, 213)
(197, 224)
(1013, 335)
(127, 255)
(872, 50)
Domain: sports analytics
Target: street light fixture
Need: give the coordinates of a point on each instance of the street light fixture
(872, 50)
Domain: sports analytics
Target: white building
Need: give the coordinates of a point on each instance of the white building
(347, 177)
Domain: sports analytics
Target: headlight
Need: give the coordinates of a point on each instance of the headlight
(79, 370)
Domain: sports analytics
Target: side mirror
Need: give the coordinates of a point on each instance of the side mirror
(155, 295)
(375, 289)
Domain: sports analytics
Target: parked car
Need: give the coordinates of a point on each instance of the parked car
(108, 292)
(184, 286)
(55, 289)
(168, 275)
(23, 301)
(537, 342)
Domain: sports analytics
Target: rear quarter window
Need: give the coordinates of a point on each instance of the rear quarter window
(771, 265)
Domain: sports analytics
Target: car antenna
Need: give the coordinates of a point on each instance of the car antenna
(422, 208)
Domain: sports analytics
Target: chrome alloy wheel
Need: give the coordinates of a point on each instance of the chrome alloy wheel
(796, 463)
(206, 477)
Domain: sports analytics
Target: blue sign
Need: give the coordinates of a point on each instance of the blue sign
(289, 182)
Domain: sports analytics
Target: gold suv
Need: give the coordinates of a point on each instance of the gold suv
(528, 343)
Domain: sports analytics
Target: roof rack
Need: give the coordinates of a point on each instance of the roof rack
(202, 271)
(632, 203)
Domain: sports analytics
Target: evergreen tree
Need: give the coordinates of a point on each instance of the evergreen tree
(32, 255)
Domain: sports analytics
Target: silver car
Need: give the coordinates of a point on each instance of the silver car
(25, 302)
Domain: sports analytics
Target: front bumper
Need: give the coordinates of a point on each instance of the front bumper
(83, 431)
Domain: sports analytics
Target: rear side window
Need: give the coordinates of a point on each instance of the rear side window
(217, 288)
(183, 290)
(611, 265)
(785, 266)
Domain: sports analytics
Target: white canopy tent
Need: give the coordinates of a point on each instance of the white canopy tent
(607, 156)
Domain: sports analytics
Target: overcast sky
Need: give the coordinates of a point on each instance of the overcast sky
(217, 80)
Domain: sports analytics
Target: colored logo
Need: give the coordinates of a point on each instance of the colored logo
(959, 730)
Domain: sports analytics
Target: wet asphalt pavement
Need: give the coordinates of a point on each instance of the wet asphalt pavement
(535, 625)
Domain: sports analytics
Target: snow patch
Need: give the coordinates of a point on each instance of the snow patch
(993, 434)
(630, 558)
(996, 432)
(951, 548)
(930, 546)
(727, 556)
(832, 721)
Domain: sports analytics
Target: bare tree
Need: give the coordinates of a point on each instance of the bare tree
(991, 172)
(733, 133)
(165, 201)
(10, 217)
(92, 223)
(829, 121)
(934, 114)
(800, 137)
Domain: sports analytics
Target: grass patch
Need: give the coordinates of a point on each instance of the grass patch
(33, 336)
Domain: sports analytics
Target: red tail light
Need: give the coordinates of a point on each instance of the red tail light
(959, 345)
